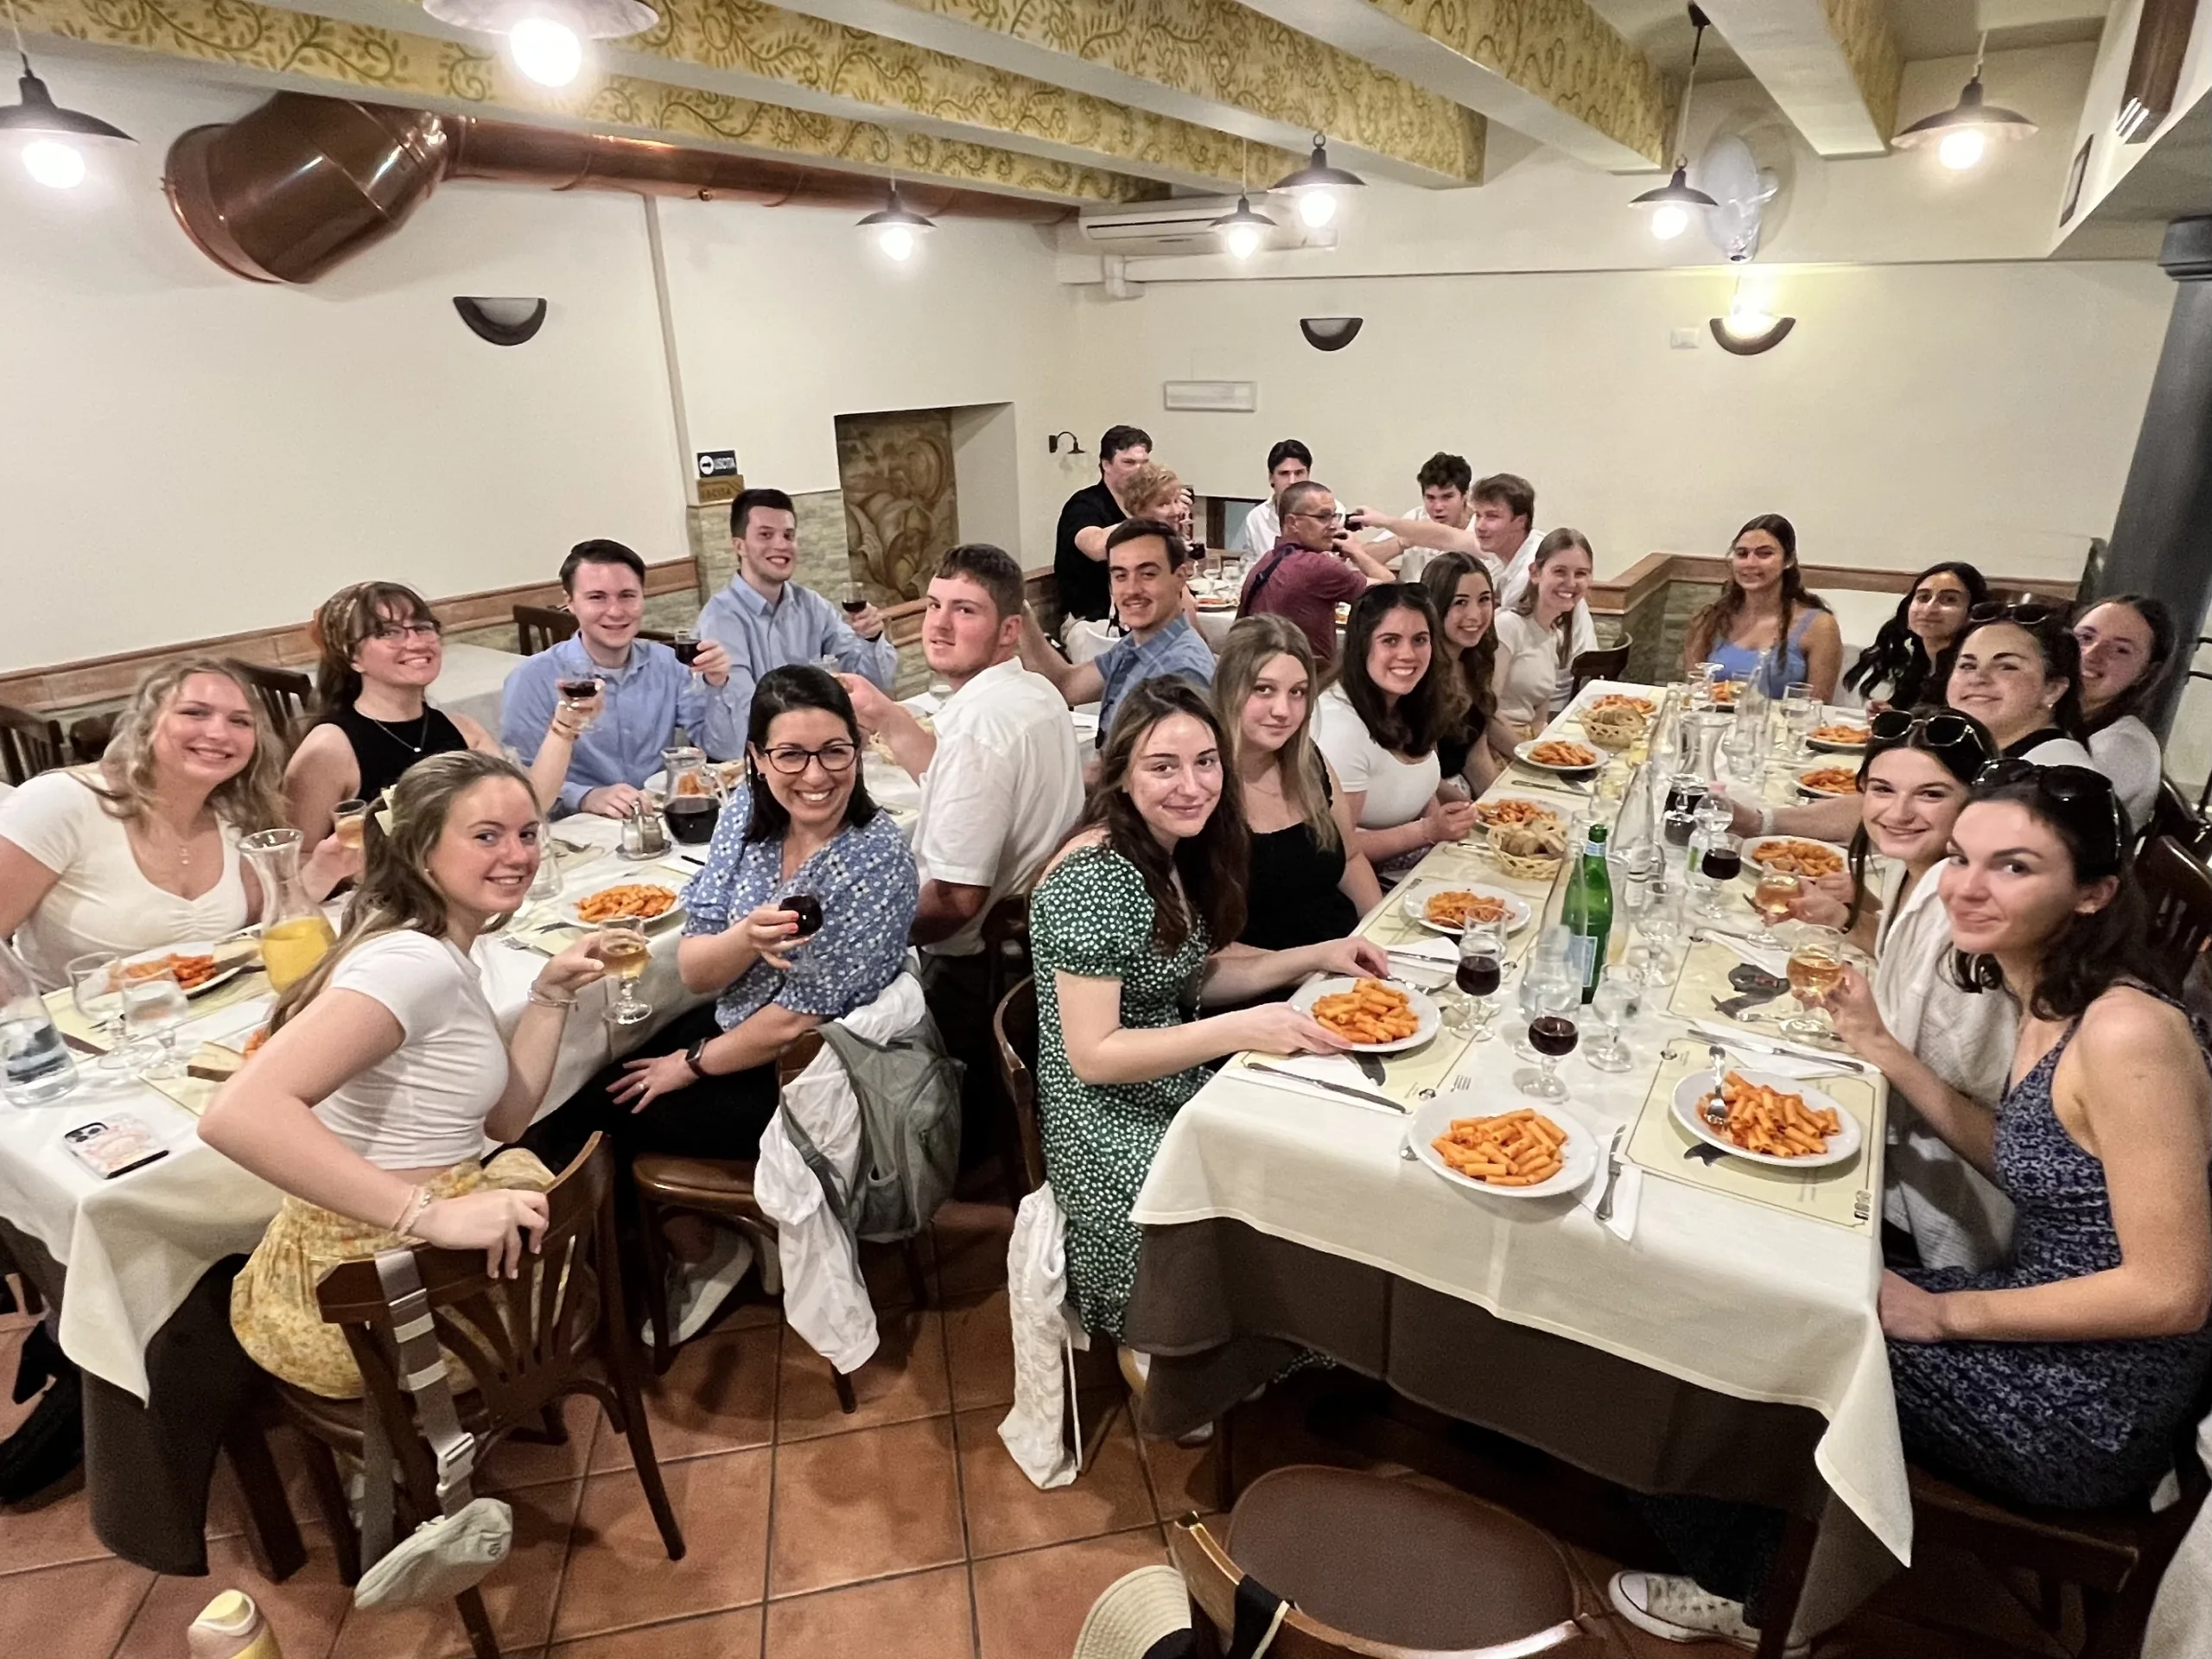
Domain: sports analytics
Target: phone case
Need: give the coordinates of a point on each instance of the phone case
(114, 1146)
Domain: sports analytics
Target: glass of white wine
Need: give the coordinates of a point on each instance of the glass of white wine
(622, 947)
(1815, 969)
(154, 1006)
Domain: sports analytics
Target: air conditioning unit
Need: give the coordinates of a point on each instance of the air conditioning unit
(1184, 225)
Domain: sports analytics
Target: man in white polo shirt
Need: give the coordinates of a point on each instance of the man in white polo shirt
(1001, 786)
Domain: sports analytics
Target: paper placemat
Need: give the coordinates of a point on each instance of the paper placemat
(1844, 1195)
(1460, 861)
(1409, 1077)
(87, 1039)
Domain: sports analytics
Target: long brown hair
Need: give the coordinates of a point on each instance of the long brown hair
(1717, 621)
(1214, 863)
(1254, 642)
(1561, 540)
(346, 618)
(1412, 726)
(396, 890)
(249, 800)
(1473, 698)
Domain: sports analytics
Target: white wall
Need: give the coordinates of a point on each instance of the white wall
(184, 454)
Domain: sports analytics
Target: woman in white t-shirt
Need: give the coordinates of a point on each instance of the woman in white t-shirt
(1547, 628)
(1378, 724)
(384, 1074)
(141, 850)
(2127, 645)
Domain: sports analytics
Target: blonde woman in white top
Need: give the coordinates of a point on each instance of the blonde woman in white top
(141, 850)
(385, 1073)
(1547, 628)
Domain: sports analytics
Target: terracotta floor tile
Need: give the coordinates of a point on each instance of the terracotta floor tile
(619, 1570)
(78, 1612)
(719, 1395)
(979, 1344)
(716, 1636)
(11, 1415)
(306, 1610)
(57, 1531)
(1031, 1605)
(865, 1505)
(226, 1504)
(515, 1463)
(971, 1241)
(519, 1594)
(1182, 1477)
(929, 1610)
(1006, 1512)
(883, 1270)
(905, 1380)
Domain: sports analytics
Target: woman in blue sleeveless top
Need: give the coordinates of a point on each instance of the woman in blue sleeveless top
(1763, 606)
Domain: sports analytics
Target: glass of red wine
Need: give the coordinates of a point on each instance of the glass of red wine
(806, 910)
(1553, 1036)
(1722, 863)
(577, 689)
(1481, 971)
(854, 601)
(686, 647)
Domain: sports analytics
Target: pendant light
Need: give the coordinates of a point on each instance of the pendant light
(897, 227)
(1314, 186)
(1961, 134)
(54, 153)
(1242, 231)
(546, 37)
(1671, 203)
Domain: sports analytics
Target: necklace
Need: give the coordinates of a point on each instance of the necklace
(421, 730)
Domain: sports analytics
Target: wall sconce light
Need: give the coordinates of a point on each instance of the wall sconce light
(1329, 334)
(1746, 330)
(1052, 443)
(502, 321)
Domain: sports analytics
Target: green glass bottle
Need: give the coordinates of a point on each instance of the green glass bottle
(1588, 912)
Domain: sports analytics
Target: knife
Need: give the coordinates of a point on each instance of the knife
(1604, 1211)
(1343, 1089)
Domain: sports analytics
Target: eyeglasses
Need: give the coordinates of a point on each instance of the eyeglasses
(2028, 612)
(390, 632)
(791, 759)
(2084, 798)
(1949, 734)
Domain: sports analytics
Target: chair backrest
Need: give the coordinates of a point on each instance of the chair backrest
(285, 693)
(89, 737)
(1211, 1578)
(1006, 945)
(29, 743)
(2172, 815)
(540, 627)
(518, 1337)
(798, 1057)
(1014, 1024)
(1607, 664)
(2179, 888)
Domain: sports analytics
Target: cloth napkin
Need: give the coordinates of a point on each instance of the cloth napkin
(1628, 1193)
(1419, 959)
(1771, 961)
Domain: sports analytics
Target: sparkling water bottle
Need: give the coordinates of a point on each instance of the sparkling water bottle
(37, 1065)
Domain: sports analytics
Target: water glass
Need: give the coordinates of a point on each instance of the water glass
(1801, 713)
(154, 1006)
(96, 987)
(1661, 925)
(1618, 1000)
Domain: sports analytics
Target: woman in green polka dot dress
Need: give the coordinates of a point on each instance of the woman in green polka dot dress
(1121, 927)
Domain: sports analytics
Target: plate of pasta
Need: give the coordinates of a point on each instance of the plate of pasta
(1448, 907)
(1768, 1119)
(1522, 1152)
(1830, 780)
(1842, 737)
(1380, 1016)
(1795, 855)
(647, 901)
(1558, 754)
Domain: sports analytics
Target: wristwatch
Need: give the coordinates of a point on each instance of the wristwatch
(691, 1058)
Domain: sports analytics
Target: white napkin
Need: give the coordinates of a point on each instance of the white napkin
(1628, 1193)
(1424, 963)
(1771, 961)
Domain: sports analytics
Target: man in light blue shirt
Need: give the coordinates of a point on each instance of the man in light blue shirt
(645, 693)
(764, 620)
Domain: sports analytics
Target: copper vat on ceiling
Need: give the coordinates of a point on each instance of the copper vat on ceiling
(298, 186)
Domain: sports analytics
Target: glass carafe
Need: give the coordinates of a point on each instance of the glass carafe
(295, 936)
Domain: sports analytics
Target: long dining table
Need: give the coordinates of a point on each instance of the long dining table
(1718, 1336)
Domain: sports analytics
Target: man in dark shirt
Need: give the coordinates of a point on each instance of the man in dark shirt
(1316, 567)
(1081, 578)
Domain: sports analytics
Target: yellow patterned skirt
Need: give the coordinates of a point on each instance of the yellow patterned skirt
(273, 1308)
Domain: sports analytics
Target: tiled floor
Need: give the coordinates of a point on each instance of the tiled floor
(902, 1529)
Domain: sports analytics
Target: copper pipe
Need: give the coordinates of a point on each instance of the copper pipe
(299, 186)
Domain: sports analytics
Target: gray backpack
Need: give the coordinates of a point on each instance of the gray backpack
(909, 1095)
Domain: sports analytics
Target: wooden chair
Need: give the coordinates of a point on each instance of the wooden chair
(284, 693)
(540, 627)
(559, 1328)
(1006, 953)
(29, 743)
(721, 1188)
(89, 737)
(1382, 1568)
(1014, 1024)
(1608, 664)
(2172, 816)
(2179, 888)
(2114, 1557)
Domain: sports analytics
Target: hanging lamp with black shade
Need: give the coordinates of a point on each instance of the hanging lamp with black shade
(1961, 135)
(1669, 204)
(54, 138)
(1314, 186)
(897, 227)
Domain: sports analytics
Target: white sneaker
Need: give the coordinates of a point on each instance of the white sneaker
(1672, 1607)
(696, 1290)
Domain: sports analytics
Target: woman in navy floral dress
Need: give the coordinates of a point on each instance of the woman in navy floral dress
(2062, 1375)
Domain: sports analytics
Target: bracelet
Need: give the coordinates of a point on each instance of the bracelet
(1766, 820)
(419, 1200)
(546, 999)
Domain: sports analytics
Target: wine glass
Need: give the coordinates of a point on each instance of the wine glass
(686, 647)
(1553, 1036)
(622, 947)
(1618, 1000)
(96, 987)
(1722, 862)
(1771, 899)
(1481, 971)
(1815, 969)
(806, 910)
(1549, 980)
(154, 1006)
(577, 689)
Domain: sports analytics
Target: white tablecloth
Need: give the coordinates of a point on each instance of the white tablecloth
(473, 682)
(1739, 1298)
(136, 1245)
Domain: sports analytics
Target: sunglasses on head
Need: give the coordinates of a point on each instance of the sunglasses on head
(2083, 796)
(1951, 737)
(2028, 612)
